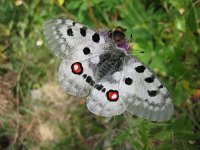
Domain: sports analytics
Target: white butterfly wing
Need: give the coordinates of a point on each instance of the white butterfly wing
(105, 99)
(73, 77)
(73, 41)
(139, 92)
(144, 94)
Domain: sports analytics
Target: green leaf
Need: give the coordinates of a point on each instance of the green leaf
(180, 23)
(192, 19)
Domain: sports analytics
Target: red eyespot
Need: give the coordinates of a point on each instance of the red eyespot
(112, 95)
(77, 68)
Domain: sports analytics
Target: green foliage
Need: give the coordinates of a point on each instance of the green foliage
(168, 31)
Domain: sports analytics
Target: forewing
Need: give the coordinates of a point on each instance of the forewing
(73, 41)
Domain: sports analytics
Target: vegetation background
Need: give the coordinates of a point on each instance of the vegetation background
(36, 114)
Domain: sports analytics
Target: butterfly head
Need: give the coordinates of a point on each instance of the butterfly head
(119, 37)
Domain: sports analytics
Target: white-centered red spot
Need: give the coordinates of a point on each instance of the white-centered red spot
(112, 95)
(77, 68)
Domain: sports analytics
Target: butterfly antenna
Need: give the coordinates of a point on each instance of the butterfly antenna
(138, 51)
(131, 38)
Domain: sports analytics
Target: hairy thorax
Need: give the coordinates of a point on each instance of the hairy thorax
(110, 62)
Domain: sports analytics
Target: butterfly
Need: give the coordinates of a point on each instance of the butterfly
(99, 65)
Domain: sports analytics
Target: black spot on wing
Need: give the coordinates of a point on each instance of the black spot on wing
(70, 32)
(92, 83)
(86, 50)
(103, 90)
(161, 86)
(88, 79)
(128, 81)
(152, 93)
(149, 79)
(73, 23)
(98, 86)
(84, 76)
(140, 69)
(83, 31)
(96, 38)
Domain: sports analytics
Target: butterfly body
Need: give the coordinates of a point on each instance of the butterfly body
(110, 62)
(98, 65)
